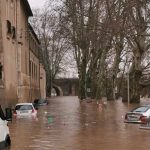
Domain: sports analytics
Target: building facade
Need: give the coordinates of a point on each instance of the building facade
(19, 54)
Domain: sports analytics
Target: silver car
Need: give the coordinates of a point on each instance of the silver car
(140, 114)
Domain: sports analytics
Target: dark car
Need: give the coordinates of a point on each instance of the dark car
(40, 102)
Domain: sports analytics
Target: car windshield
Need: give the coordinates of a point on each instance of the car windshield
(141, 109)
(23, 107)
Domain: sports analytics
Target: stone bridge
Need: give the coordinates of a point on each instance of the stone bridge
(66, 86)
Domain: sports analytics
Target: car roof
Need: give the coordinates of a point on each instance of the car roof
(147, 107)
(24, 104)
(144, 106)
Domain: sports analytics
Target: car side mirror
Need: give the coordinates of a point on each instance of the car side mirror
(8, 112)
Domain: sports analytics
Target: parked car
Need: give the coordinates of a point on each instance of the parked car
(40, 102)
(4, 130)
(140, 114)
(25, 110)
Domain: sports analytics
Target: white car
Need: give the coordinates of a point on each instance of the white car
(25, 110)
(4, 130)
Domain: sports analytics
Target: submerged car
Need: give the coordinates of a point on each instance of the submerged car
(40, 102)
(140, 114)
(25, 110)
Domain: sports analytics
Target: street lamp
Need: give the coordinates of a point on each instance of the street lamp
(128, 84)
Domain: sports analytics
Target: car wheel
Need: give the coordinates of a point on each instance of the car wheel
(7, 141)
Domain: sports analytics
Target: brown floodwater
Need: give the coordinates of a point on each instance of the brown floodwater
(67, 124)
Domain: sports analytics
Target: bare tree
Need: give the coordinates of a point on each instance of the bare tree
(137, 13)
(101, 34)
(94, 26)
(54, 44)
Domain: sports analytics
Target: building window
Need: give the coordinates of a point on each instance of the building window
(1, 72)
(13, 30)
(8, 27)
(30, 67)
(12, 3)
(35, 72)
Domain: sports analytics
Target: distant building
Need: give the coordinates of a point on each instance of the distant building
(19, 54)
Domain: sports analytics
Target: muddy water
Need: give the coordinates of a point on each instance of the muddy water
(67, 124)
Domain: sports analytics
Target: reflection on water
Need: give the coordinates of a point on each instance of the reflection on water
(65, 124)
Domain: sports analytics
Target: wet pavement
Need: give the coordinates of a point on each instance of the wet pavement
(67, 124)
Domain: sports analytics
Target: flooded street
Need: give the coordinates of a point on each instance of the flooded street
(78, 126)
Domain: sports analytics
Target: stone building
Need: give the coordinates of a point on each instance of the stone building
(19, 54)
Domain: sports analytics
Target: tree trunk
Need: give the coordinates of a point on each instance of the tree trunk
(93, 82)
(135, 86)
(82, 79)
(117, 59)
(101, 76)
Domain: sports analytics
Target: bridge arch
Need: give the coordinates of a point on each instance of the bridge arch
(66, 86)
(58, 90)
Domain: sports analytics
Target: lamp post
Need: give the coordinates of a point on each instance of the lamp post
(113, 77)
(85, 86)
(51, 73)
(128, 84)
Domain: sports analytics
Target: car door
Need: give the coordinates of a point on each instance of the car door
(148, 113)
(3, 126)
(2, 130)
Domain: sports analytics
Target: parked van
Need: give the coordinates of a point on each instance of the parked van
(4, 130)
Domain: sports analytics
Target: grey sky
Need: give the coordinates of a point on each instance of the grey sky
(36, 3)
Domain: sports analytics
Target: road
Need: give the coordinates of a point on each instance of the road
(67, 124)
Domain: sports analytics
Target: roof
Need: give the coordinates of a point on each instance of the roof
(27, 7)
(33, 33)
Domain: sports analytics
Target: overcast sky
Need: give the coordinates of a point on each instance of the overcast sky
(71, 70)
(36, 3)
